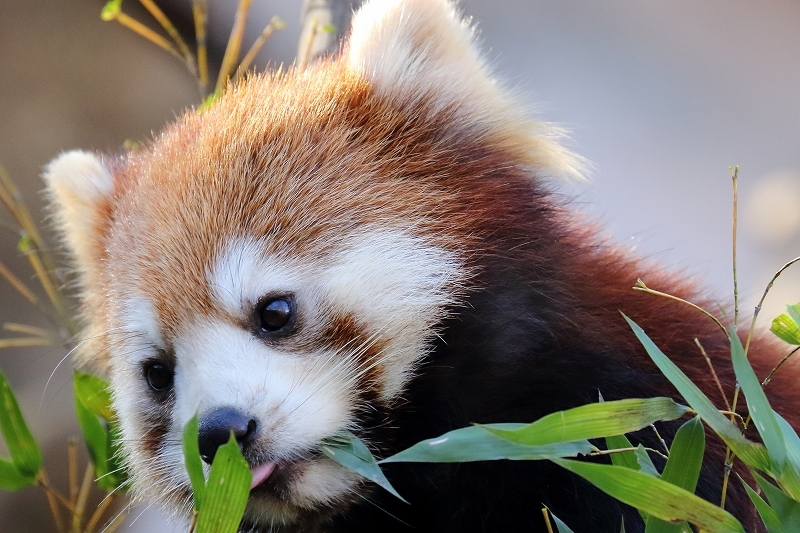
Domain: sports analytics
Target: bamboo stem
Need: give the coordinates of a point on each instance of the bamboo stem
(735, 177)
(170, 29)
(234, 44)
(98, 513)
(139, 28)
(274, 24)
(24, 328)
(640, 286)
(72, 461)
(83, 496)
(17, 284)
(52, 499)
(200, 14)
(713, 374)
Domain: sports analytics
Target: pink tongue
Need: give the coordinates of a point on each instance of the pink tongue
(261, 473)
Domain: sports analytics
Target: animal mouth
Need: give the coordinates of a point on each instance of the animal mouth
(261, 473)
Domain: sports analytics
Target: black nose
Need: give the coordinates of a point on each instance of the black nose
(216, 428)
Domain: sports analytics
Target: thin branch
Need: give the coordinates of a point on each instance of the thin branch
(640, 286)
(83, 496)
(763, 297)
(274, 24)
(52, 499)
(713, 374)
(234, 44)
(98, 513)
(780, 364)
(735, 177)
(17, 284)
(200, 14)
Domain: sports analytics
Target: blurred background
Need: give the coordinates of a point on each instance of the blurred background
(661, 97)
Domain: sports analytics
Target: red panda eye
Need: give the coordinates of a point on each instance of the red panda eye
(275, 314)
(158, 376)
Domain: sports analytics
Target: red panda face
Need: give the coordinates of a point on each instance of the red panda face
(281, 263)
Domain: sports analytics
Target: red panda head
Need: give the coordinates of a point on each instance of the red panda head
(281, 263)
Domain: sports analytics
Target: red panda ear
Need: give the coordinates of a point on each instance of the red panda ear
(417, 45)
(422, 49)
(78, 186)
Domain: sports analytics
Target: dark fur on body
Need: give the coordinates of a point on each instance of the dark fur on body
(543, 332)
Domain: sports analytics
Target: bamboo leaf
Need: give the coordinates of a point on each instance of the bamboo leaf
(24, 451)
(767, 513)
(94, 394)
(760, 410)
(350, 452)
(646, 465)
(627, 458)
(95, 436)
(654, 496)
(593, 421)
(786, 509)
(786, 329)
(11, 479)
(191, 458)
(225, 496)
(794, 312)
(111, 10)
(751, 453)
(686, 456)
(560, 525)
(477, 444)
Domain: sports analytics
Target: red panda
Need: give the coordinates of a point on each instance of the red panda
(368, 244)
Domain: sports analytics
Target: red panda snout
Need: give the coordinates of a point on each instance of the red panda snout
(217, 426)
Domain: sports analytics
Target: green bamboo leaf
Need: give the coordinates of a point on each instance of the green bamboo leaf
(686, 456)
(767, 513)
(117, 476)
(560, 525)
(593, 421)
(751, 453)
(350, 452)
(225, 496)
(761, 412)
(626, 459)
(654, 496)
(786, 509)
(11, 479)
(786, 329)
(192, 460)
(96, 437)
(24, 451)
(94, 394)
(111, 10)
(477, 444)
(682, 469)
(794, 312)
(789, 477)
(646, 465)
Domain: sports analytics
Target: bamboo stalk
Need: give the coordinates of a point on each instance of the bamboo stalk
(200, 14)
(234, 44)
(274, 24)
(17, 284)
(98, 513)
(52, 500)
(640, 286)
(24, 328)
(72, 461)
(21, 342)
(169, 28)
(83, 496)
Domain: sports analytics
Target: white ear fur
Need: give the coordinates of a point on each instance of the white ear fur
(416, 44)
(77, 183)
(414, 48)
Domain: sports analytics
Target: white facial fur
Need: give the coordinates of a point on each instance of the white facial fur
(395, 286)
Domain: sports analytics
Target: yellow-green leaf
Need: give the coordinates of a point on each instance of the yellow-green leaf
(226, 493)
(593, 421)
(24, 451)
(654, 496)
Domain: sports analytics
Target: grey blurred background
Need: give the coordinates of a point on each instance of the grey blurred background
(661, 97)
